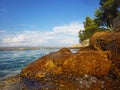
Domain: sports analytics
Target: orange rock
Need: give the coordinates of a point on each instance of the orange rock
(46, 64)
(94, 63)
(67, 64)
(107, 41)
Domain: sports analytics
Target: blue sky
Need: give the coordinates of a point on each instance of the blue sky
(43, 22)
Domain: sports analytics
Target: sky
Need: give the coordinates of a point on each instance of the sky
(43, 22)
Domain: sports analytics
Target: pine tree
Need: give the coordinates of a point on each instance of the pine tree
(90, 27)
(107, 12)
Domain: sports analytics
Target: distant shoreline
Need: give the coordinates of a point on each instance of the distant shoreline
(32, 48)
(27, 48)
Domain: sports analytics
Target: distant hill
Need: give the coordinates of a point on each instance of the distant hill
(27, 48)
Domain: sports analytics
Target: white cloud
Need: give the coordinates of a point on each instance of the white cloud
(17, 39)
(68, 40)
(73, 28)
(65, 35)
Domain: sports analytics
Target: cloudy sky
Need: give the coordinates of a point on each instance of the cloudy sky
(43, 22)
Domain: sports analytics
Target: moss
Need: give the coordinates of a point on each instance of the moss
(50, 64)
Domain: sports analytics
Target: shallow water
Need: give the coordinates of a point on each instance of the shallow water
(11, 62)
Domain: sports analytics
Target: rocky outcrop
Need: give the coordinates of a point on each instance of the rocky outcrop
(41, 67)
(64, 68)
(108, 41)
(65, 63)
(116, 24)
(87, 62)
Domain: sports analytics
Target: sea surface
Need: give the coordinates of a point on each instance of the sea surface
(12, 62)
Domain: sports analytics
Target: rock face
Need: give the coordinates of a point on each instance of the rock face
(41, 67)
(116, 24)
(87, 62)
(64, 63)
(107, 41)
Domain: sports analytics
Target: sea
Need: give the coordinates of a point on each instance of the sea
(12, 62)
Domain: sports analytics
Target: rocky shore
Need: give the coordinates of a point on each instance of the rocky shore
(95, 67)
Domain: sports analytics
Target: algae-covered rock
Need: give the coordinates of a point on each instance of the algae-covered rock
(46, 64)
(66, 64)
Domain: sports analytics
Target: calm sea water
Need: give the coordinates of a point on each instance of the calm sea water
(11, 62)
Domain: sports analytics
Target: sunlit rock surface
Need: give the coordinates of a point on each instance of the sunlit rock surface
(84, 43)
(67, 64)
(67, 70)
(108, 41)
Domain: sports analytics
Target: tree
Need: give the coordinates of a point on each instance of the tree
(90, 28)
(107, 12)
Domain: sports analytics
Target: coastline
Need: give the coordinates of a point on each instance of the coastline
(27, 48)
(93, 67)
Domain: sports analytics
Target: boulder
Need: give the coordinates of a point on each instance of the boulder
(107, 41)
(45, 64)
(95, 63)
(65, 64)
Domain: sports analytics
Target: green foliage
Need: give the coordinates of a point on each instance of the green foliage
(104, 17)
(90, 28)
(107, 12)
